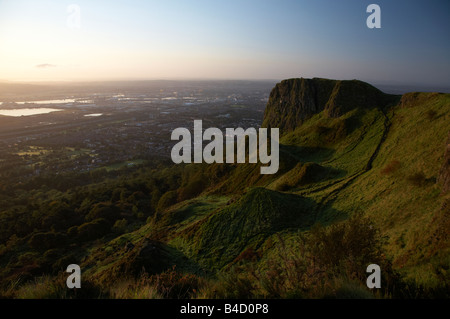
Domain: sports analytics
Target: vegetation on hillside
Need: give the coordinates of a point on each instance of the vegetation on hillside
(358, 184)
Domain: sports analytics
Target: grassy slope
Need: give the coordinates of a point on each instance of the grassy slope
(113, 261)
(366, 161)
(218, 239)
(405, 204)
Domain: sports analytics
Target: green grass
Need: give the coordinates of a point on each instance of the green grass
(382, 163)
(333, 167)
(219, 238)
(188, 212)
(405, 209)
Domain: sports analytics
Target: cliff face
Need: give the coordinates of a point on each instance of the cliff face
(293, 101)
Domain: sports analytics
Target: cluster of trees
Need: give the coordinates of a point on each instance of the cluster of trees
(65, 212)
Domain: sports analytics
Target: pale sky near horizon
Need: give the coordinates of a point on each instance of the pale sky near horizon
(246, 39)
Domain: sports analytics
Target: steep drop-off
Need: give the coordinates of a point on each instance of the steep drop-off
(293, 101)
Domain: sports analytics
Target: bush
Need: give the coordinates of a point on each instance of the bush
(47, 287)
(93, 230)
(327, 262)
(132, 289)
(350, 290)
(72, 232)
(248, 255)
(106, 211)
(431, 114)
(120, 226)
(45, 241)
(235, 284)
(172, 284)
(167, 200)
(347, 247)
(391, 167)
(60, 265)
(417, 179)
(193, 189)
(282, 187)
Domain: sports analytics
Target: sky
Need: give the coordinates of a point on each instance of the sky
(215, 39)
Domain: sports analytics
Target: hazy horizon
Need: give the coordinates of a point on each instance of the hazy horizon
(385, 86)
(236, 40)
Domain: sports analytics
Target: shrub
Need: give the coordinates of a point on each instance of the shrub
(339, 130)
(431, 114)
(55, 288)
(172, 284)
(60, 265)
(93, 230)
(328, 262)
(134, 289)
(349, 290)
(28, 258)
(167, 200)
(349, 246)
(45, 241)
(282, 187)
(248, 255)
(391, 167)
(417, 179)
(72, 232)
(235, 284)
(191, 190)
(106, 211)
(120, 226)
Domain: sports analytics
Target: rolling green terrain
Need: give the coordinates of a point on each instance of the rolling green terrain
(363, 179)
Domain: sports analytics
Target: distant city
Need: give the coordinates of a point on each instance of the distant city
(63, 129)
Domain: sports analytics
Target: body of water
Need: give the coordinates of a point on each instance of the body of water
(49, 101)
(94, 114)
(27, 112)
(45, 102)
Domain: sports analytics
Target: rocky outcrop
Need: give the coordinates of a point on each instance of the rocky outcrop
(444, 174)
(293, 101)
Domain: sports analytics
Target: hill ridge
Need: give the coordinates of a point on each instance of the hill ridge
(295, 100)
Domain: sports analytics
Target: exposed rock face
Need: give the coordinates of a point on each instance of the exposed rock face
(444, 174)
(293, 101)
